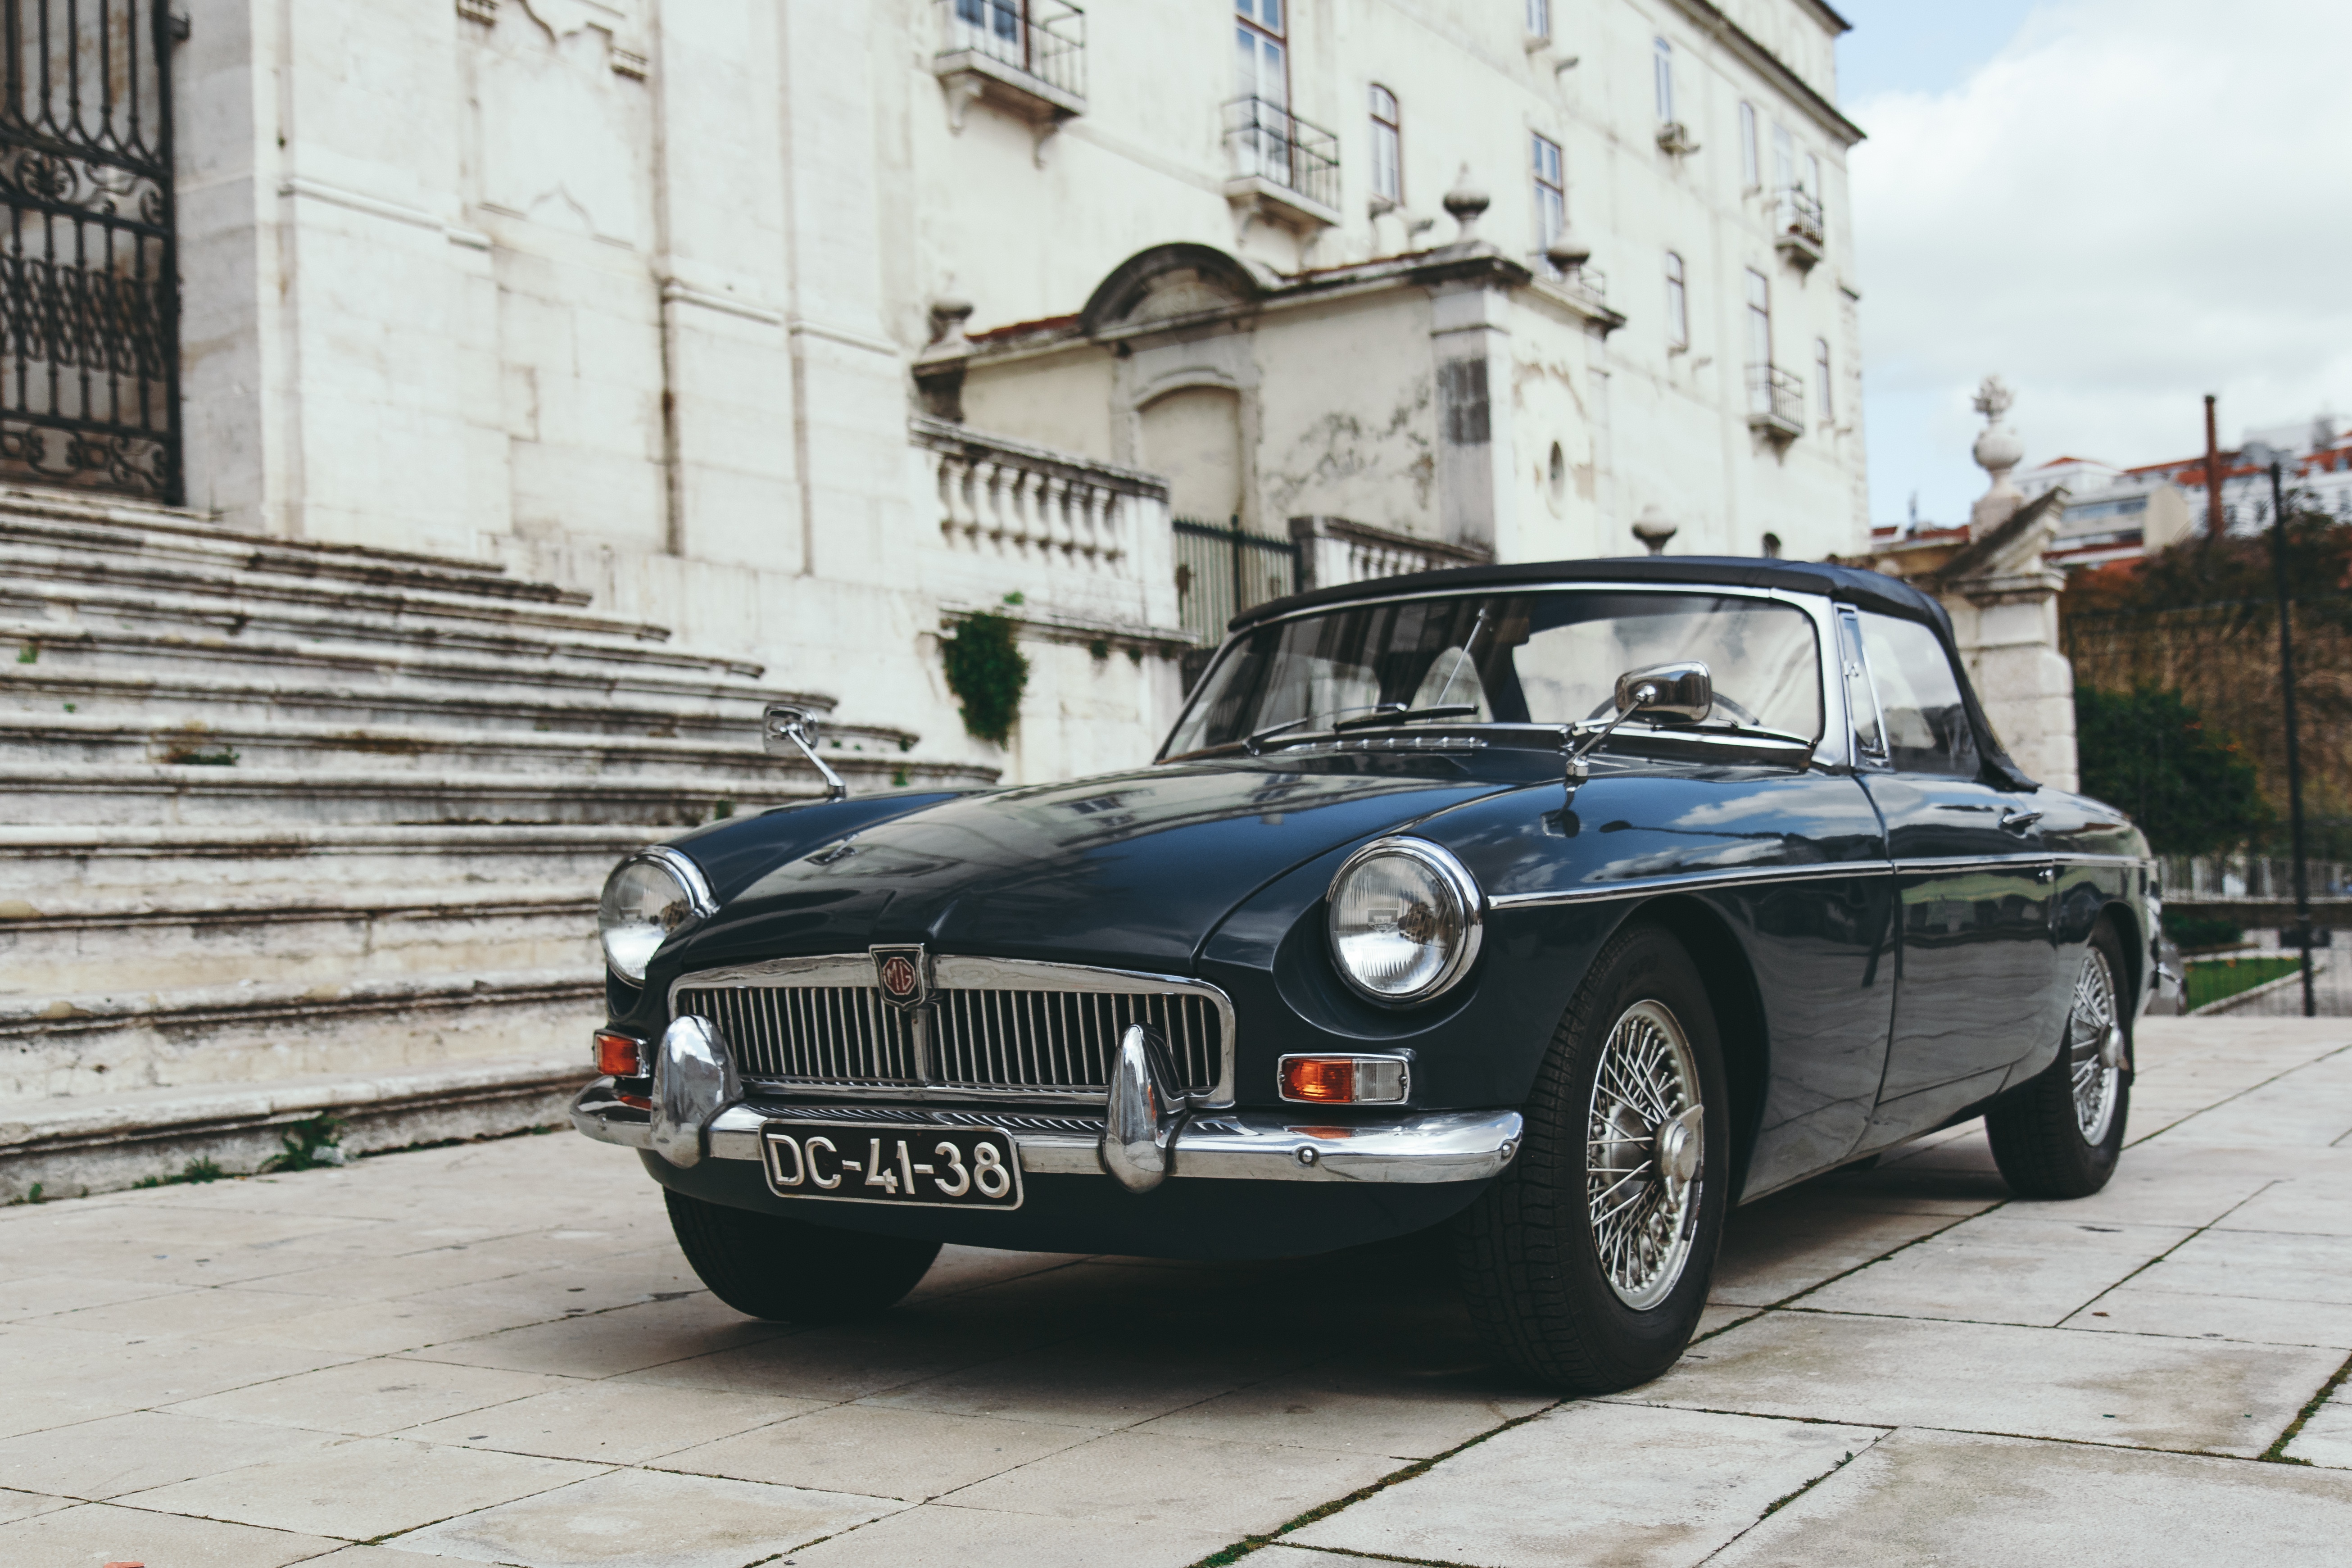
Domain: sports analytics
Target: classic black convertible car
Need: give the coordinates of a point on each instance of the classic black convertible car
(1566, 905)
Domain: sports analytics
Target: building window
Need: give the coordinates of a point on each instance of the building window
(1663, 58)
(1259, 42)
(1388, 146)
(1751, 152)
(1784, 158)
(1760, 318)
(1814, 175)
(1822, 374)
(1551, 192)
(1677, 303)
(1539, 19)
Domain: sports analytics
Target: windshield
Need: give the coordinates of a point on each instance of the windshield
(1541, 657)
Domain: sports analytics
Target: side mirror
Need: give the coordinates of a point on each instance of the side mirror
(1684, 692)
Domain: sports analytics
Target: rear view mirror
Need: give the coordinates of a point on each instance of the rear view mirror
(1681, 693)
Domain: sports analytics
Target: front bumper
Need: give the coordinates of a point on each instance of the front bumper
(1418, 1147)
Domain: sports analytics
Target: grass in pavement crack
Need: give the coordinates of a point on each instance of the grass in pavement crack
(1249, 1543)
(2277, 1452)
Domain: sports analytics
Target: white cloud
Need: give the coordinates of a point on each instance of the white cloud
(2136, 202)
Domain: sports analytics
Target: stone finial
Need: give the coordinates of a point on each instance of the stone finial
(1464, 204)
(1653, 529)
(948, 316)
(1567, 249)
(1998, 450)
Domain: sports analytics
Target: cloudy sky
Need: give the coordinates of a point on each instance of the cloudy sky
(2117, 205)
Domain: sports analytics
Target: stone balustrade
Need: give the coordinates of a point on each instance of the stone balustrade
(999, 496)
(1334, 550)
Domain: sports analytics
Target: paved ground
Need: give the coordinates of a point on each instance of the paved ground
(494, 1353)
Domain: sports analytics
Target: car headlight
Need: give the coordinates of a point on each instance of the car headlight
(1406, 918)
(648, 896)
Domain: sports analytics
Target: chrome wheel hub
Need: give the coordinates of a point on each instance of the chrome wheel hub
(2095, 1048)
(1644, 1154)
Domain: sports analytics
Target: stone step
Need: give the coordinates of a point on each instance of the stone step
(59, 942)
(101, 1144)
(40, 865)
(124, 795)
(60, 653)
(131, 530)
(254, 1031)
(728, 715)
(738, 768)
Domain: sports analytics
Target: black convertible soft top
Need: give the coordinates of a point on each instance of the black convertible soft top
(1845, 584)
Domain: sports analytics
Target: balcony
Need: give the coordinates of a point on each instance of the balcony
(1002, 497)
(1797, 232)
(1776, 404)
(1027, 58)
(1283, 168)
(1584, 289)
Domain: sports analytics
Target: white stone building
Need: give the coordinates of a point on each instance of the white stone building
(510, 333)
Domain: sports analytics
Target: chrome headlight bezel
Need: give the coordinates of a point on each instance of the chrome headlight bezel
(694, 901)
(1463, 905)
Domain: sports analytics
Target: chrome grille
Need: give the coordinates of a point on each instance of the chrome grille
(811, 1021)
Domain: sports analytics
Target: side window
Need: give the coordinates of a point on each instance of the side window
(1926, 728)
(1861, 701)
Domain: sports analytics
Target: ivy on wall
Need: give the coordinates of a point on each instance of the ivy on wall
(987, 673)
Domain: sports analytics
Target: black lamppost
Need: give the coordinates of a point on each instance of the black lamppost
(2265, 457)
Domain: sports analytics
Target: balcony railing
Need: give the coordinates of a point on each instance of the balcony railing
(1025, 45)
(1797, 230)
(1272, 144)
(1776, 401)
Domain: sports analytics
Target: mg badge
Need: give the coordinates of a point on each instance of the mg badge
(904, 974)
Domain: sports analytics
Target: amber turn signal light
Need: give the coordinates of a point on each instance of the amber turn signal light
(620, 1055)
(1344, 1080)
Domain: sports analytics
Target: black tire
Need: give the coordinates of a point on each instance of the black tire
(1530, 1267)
(766, 1266)
(2037, 1130)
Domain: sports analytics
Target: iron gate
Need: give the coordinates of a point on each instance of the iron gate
(1220, 573)
(90, 332)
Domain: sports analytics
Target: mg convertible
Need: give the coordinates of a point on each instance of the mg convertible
(1564, 906)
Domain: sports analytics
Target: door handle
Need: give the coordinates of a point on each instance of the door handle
(2019, 821)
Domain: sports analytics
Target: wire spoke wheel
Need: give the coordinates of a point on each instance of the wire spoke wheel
(2094, 1037)
(1643, 1154)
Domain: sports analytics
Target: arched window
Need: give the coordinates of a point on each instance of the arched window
(1677, 303)
(1822, 373)
(1662, 56)
(1388, 146)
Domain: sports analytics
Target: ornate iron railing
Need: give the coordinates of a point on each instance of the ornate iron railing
(1043, 38)
(1798, 215)
(1775, 400)
(1272, 143)
(89, 331)
(1220, 573)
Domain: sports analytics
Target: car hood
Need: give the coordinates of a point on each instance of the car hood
(1126, 869)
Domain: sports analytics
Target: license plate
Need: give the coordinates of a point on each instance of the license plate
(925, 1167)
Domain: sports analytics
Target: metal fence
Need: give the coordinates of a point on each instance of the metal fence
(90, 334)
(1273, 144)
(1043, 38)
(1222, 570)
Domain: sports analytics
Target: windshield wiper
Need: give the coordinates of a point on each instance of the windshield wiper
(1401, 714)
(1250, 743)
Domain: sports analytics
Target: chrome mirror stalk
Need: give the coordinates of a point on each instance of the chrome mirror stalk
(1142, 1113)
(694, 1081)
(1685, 692)
(783, 725)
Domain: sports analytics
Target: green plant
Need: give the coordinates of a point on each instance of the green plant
(29, 654)
(987, 672)
(906, 742)
(898, 778)
(2191, 932)
(1098, 650)
(2191, 790)
(722, 811)
(1016, 597)
(309, 1144)
(70, 708)
(1135, 655)
(224, 758)
(2216, 978)
(32, 1195)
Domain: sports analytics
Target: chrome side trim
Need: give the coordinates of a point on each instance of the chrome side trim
(1633, 887)
(957, 972)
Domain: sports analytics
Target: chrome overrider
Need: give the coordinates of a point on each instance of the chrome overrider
(1150, 1133)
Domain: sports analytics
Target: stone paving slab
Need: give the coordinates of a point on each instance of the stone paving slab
(494, 1353)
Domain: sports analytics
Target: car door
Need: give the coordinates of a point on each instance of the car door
(1975, 962)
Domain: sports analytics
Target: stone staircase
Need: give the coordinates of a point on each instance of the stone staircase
(290, 829)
